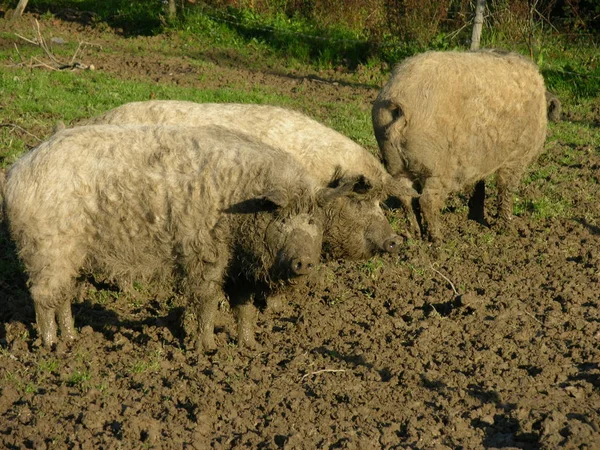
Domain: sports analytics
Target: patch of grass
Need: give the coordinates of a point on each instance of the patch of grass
(36, 100)
(372, 267)
(332, 301)
(488, 237)
(420, 271)
(542, 208)
(48, 365)
(297, 37)
(145, 365)
(79, 378)
(103, 296)
(541, 173)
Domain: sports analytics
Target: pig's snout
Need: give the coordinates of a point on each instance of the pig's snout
(302, 265)
(391, 244)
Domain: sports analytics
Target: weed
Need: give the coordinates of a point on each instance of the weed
(420, 271)
(372, 267)
(338, 298)
(79, 378)
(542, 208)
(49, 365)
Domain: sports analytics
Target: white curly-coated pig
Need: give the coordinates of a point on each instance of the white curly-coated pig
(357, 228)
(206, 206)
(447, 120)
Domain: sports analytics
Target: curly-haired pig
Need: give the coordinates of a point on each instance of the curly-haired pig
(446, 120)
(206, 207)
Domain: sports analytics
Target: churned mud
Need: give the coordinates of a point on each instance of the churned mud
(491, 340)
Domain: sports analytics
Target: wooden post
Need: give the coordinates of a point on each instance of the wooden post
(19, 9)
(476, 36)
(172, 9)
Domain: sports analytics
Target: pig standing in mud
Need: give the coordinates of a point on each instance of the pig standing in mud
(447, 120)
(204, 206)
(355, 228)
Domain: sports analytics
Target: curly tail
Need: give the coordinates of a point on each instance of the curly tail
(553, 107)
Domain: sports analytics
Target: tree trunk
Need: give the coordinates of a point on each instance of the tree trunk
(172, 9)
(19, 9)
(476, 36)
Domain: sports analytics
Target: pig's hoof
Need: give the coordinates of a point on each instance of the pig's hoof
(275, 302)
(507, 226)
(63, 346)
(250, 344)
(205, 344)
(247, 340)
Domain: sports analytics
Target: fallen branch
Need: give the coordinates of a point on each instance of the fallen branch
(54, 63)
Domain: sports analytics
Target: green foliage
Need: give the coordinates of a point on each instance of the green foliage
(577, 77)
(133, 17)
(295, 37)
(543, 207)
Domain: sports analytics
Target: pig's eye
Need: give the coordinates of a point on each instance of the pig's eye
(396, 112)
(311, 221)
(284, 221)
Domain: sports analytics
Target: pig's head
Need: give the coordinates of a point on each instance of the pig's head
(281, 234)
(355, 225)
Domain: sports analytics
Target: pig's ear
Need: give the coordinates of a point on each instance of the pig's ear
(358, 184)
(345, 187)
(277, 197)
(361, 185)
(402, 187)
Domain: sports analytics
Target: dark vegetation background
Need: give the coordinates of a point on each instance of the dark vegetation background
(360, 28)
(347, 34)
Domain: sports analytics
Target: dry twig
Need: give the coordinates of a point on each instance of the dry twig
(445, 278)
(321, 371)
(532, 316)
(13, 125)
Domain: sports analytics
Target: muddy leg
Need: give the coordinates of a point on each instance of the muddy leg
(507, 180)
(400, 189)
(207, 303)
(246, 318)
(64, 317)
(431, 202)
(414, 230)
(476, 203)
(46, 323)
(51, 293)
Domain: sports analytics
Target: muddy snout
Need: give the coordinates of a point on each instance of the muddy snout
(300, 255)
(392, 244)
(302, 265)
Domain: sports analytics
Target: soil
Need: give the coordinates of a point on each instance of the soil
(491, 340)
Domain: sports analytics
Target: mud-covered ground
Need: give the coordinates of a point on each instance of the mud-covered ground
(491, 340)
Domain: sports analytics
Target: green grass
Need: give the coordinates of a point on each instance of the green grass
(36, 100)
(79, 378)
(543, 207)
(372, 267)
